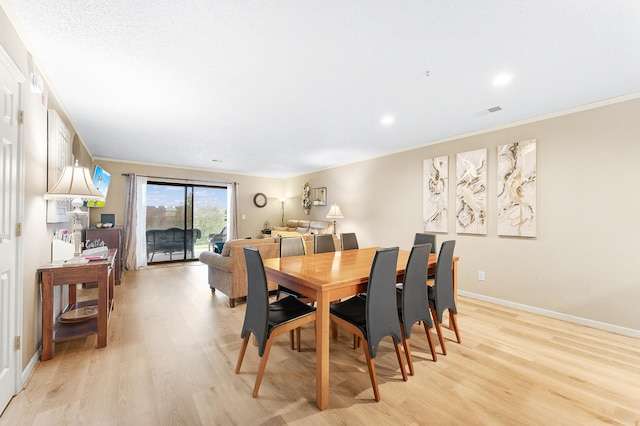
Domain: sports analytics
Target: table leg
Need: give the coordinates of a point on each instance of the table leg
(322, 351)
(103, 300)
(47, 316)
(112, 281)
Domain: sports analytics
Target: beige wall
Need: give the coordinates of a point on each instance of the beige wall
(36, 233)
(254, 217)
(584, 262)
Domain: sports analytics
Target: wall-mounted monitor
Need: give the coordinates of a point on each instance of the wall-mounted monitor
(101, 179)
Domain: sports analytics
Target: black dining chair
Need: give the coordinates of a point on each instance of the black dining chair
(441, 296)
(267, 320)
(412, 302)
(425, 238)
(348, 241)
(323, 243)
(290, 246)
(375, 317)
(293, 246)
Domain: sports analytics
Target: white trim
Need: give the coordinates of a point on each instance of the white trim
(31, 365)
(15, 72)
(552, 314)
(11, 66)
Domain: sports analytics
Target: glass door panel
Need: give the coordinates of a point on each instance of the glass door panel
(181, 219)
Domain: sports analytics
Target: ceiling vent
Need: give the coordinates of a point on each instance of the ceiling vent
(495, 109)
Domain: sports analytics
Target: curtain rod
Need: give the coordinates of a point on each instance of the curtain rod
(181, 179)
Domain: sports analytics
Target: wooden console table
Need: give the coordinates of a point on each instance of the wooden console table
(53, 274)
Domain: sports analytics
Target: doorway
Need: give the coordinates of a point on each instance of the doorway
(182, 219)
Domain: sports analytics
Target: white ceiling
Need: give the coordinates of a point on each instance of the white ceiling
(280, 88)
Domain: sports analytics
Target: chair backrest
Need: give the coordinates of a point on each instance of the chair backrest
(323, 243)
(381, 307)
(425, 238)
(443, 288)
(256, 317)
(348, 241)
(291, 246)
(220, 236)
(415, 305)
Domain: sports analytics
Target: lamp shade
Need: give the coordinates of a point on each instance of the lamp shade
(75, 183)
(334, 212)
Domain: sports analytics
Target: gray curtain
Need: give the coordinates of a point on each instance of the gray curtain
(135, 240)
(232, 215)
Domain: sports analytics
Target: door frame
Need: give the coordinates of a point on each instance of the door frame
(15, 72)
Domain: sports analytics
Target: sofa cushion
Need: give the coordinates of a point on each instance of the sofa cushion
(307, 226)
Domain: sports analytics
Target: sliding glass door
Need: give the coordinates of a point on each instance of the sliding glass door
(183, 219)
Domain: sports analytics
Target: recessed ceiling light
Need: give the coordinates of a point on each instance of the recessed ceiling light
(387, 120)
(501, 79)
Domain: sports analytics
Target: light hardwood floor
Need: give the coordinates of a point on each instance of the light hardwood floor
(173, 345)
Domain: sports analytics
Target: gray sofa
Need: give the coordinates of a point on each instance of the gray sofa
(306, 227)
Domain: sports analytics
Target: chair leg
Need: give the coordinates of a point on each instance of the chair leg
(298, 337)
(334, 329)
(454, 322)
(263, 364)
(434, 315)
(407, 351)
(400, 362)
(430, 340)
(292, 340)
(372, 373)
(243, 349)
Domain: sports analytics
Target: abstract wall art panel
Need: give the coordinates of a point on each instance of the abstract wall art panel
(471, 192)
(435, 183)
(517, 189)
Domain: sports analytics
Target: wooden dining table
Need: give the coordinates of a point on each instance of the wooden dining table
(327, 277)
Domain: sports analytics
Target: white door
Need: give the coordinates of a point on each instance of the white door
(10, 89)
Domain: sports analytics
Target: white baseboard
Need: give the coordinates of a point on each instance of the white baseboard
(552, 314)
(30, 366)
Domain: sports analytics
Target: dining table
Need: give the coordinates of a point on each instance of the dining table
(327, 277)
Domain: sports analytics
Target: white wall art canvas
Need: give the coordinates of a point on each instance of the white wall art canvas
(517, 189)
(471, 192)
(435, 183)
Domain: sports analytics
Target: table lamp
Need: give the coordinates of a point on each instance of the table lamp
(76, 185)
(334, 213)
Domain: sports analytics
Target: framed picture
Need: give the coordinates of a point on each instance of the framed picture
(435, 199)
(517, 189)
(471, 192)
(58, 157)
(319, 196)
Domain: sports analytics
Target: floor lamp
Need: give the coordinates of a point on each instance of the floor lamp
(334, 213)
(282, 200)
(75, 185)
